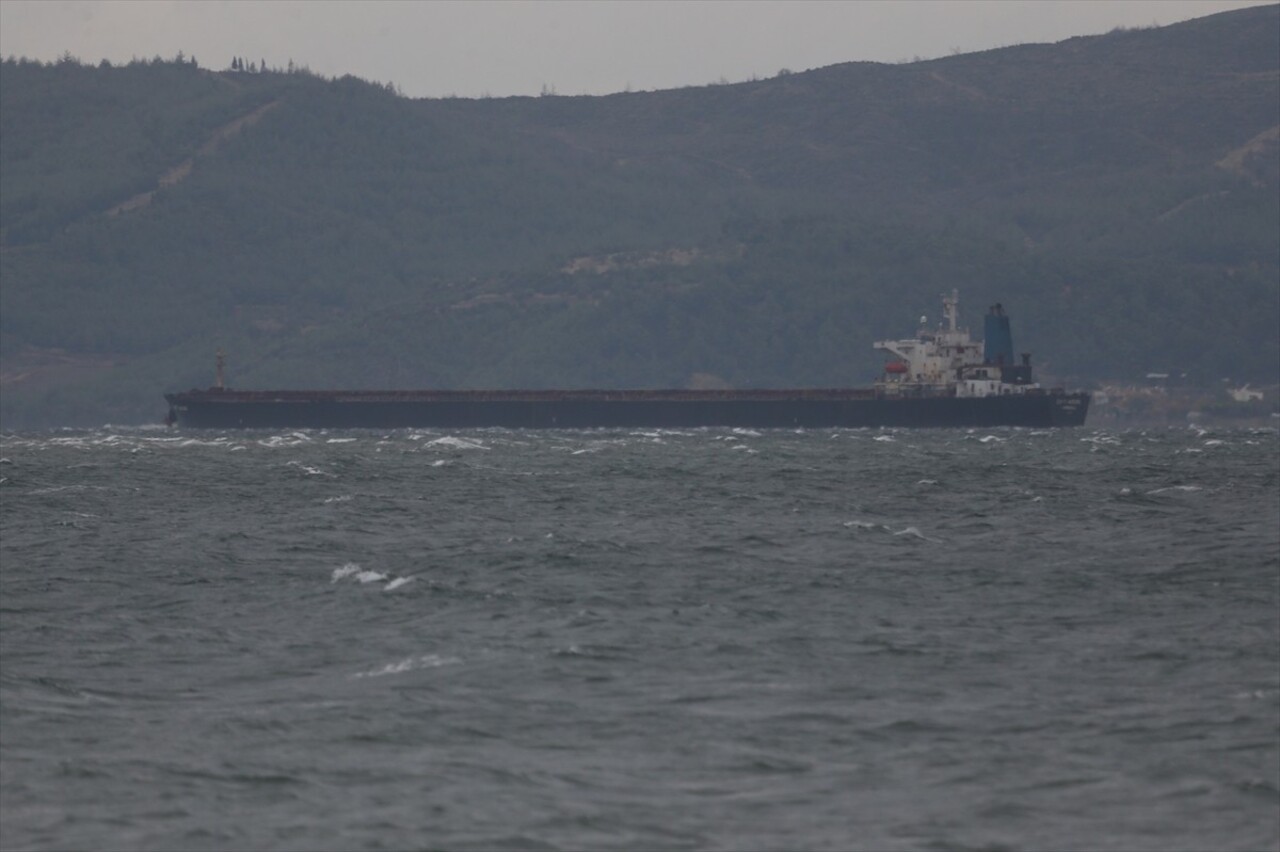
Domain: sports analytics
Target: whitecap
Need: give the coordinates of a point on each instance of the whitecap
(397, 583)
(987, 439)
(292, 440)
(345, 571)
(341, 498)
(883, 438)
(195, 442)
(914, 532)
(1250, 695)
(426, 661)
(927, 482)
(308, 469)
(370, 576)
(1176, 488)
(457, 443)
(1214, 442)
(341, 441)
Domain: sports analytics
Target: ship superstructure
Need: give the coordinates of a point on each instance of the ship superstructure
(946, 361)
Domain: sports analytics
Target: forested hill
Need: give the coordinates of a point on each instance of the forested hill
(1120, 194)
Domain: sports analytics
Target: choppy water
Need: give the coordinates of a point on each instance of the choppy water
(629, 640)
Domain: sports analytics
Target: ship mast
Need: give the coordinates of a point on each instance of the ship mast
(218, 381)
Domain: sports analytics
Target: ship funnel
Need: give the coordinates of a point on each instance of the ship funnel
(997, 338)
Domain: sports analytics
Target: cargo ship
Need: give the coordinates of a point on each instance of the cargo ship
(939, 378)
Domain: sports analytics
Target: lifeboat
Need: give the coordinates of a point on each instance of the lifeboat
(895, 367)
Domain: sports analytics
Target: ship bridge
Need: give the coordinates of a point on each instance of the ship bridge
(934, 356)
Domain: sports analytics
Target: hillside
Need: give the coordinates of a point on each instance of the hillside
(1120, 193)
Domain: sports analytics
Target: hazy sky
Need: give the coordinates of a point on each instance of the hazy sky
(431, 49)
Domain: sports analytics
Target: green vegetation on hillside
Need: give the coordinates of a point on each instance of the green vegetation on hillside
(1120, 194)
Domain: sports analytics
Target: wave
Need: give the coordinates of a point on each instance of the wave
(353, 571)
(426, 661)
(456, 443)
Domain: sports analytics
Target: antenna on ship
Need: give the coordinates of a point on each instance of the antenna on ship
(218, 377)
(949, 308)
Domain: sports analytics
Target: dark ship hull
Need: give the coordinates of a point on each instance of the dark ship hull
(763, 409)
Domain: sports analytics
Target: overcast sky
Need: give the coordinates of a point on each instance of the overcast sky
(471, 49)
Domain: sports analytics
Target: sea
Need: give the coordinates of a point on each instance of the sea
(1003, 639)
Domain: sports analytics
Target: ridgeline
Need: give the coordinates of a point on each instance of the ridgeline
(1120, 194)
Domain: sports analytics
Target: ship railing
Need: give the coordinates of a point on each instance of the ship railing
(563, 395)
